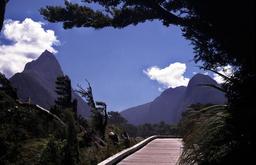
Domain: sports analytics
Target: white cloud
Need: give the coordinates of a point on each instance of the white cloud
(160, 89)
(206, 73)
(28, 40)
(171, 76)
(226, 70)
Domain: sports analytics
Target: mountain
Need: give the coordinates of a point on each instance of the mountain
(37, 82)
(137, 115)
(169, 106)
(197, 92)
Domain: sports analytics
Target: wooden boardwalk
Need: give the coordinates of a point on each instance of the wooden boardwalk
(162, 151)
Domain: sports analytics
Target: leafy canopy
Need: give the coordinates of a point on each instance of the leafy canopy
(221, 31)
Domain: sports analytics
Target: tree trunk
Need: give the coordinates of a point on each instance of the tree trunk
(2, 11)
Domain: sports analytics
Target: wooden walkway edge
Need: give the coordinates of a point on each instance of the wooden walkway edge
(162, 145)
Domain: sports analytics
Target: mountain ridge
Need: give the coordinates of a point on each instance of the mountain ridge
(169, 106)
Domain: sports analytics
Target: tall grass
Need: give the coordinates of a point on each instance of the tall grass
(205, 134)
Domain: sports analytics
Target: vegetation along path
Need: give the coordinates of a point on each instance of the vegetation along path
(160, 151)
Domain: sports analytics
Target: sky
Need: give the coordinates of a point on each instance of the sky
(126, 67)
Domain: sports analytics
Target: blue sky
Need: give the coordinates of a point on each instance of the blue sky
(114, 61)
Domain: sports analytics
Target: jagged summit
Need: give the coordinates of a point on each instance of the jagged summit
(171, 90)
(47, 56)
(204, 79)
(46, 64)
(44, 58)
(37, 82)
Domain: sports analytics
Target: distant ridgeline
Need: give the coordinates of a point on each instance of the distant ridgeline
(169, 106)
(37, 83)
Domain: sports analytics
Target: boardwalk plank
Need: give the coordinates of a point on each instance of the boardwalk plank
(161, 151)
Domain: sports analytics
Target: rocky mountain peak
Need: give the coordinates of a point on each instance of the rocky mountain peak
(201, 79)
(46, 65)
(170, 91)
(37, 82)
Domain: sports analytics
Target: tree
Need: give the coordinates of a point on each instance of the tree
(5, 86)
(64, 99)
(63, 90)
(116, 118)
(87, 94)
(102, 108)
(212, 26)
(3, 4)
(71, 149)
(74, 106)
(99, 118)
(52, 153)
(222, 33)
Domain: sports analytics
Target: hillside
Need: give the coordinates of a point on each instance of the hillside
(30, 134)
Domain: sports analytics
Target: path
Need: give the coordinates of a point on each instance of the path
(162, 151)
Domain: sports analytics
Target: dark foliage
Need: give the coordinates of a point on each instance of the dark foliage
(116, 118)
(144, 130)
(6, 87)
(147, 130)
(52, 154)
(222, 32)
(63, 90)
(71, 148)
(64, 99)
(20, 123)
(3, 4)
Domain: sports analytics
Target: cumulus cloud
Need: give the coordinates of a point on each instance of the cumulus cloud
(226, 70)
(28, 39)
(170, 76)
